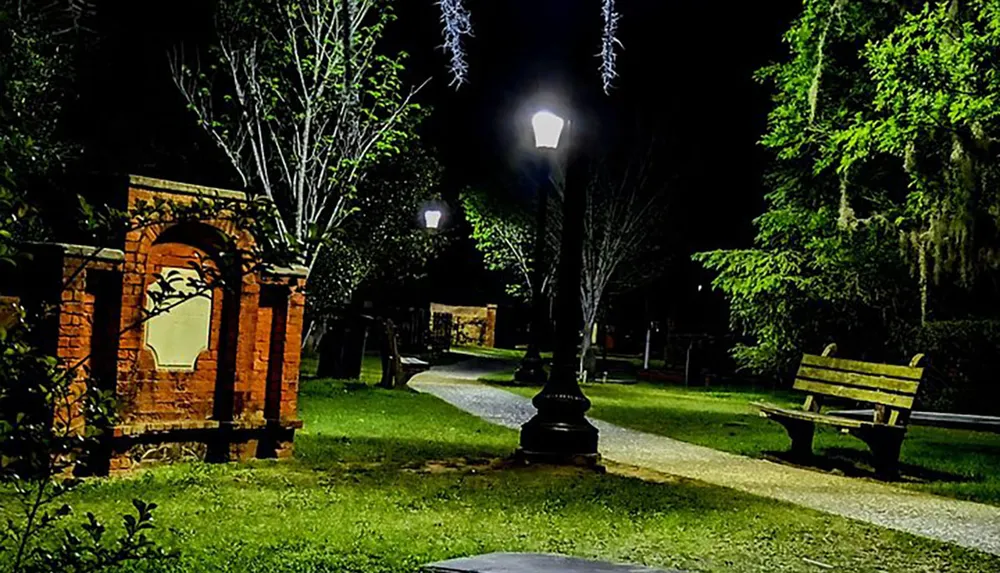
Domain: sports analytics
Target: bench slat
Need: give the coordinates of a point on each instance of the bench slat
(852, 393)
(898, 385)
(773, 411)
(893, 370)
(769, 410)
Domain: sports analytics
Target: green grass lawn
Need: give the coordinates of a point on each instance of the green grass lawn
(384, 481)
(512, 354)
(371, 368)
(955, 463)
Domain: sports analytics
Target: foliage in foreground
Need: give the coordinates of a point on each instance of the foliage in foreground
(884, 195)
(39, 440)
(44, 440)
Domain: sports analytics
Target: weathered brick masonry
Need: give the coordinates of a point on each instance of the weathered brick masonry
(238, 398)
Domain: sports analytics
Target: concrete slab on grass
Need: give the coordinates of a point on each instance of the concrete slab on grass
(534, 563)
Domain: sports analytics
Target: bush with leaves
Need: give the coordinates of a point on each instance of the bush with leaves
(43, 442)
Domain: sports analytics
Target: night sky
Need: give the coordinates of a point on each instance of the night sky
(685, 74)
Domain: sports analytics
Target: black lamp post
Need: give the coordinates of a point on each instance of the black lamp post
(547, 129)
(560, 432)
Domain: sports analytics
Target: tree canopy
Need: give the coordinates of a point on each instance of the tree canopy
(884, 128)
(303, 101)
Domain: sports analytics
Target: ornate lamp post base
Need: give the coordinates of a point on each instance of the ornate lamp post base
(560, 433)
(531, 371)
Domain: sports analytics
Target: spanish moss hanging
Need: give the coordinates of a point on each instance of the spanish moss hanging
(608, 41)
(457, 22)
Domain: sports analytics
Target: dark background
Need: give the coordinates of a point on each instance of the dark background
(685, 76)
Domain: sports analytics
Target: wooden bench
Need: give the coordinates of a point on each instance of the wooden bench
(396, 368)
(890, 388)
(410, 366)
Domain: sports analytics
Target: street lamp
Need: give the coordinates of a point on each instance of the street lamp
(432, 218)
(547, 128)
(560, 432)
(433, 215)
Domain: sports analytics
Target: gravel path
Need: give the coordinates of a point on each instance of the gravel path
(967, 524)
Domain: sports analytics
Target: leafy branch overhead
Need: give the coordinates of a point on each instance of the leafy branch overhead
(503, 230)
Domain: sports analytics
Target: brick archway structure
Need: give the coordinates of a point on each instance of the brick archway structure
(215, 377)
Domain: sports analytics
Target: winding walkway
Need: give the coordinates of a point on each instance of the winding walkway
(968, 524)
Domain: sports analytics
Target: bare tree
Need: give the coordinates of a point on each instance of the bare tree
(302, 103)
(623, 220)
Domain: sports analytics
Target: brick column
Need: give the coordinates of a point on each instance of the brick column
(293, 351)
(491, 325)
(248, 399)
(76, 320)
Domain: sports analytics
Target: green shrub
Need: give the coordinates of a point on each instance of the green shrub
(964, 364)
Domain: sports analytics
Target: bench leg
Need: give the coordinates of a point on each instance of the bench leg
(885, 453)
(801, 433)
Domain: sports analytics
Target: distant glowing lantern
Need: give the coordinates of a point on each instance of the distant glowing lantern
(547, 127)
(432, 218)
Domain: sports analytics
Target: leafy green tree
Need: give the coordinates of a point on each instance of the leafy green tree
(503, 230)
(306, 105)
(38, 39)
(882, 126)
(384, 242)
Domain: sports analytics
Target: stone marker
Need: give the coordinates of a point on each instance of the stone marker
(534, 563)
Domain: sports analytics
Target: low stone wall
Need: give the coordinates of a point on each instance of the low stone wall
(471, 325)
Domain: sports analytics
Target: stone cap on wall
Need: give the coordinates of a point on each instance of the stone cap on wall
(298, 271)
(81, 251)
(179, 188)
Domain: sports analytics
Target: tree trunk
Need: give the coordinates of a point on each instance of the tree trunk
(588, 358)
(391, 366)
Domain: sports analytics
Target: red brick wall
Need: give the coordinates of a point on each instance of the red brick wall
(157, 395)
(76, 307)
(293, 351)
(76, 318)
(149, 394)
(230, 378)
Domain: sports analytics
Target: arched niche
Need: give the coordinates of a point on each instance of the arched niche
(184, 296)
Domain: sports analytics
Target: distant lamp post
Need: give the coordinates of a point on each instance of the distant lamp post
(559, 432)
(547, 128)
(432, 218)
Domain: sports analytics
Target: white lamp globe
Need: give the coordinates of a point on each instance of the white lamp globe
(432, 218)
(547, 127)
